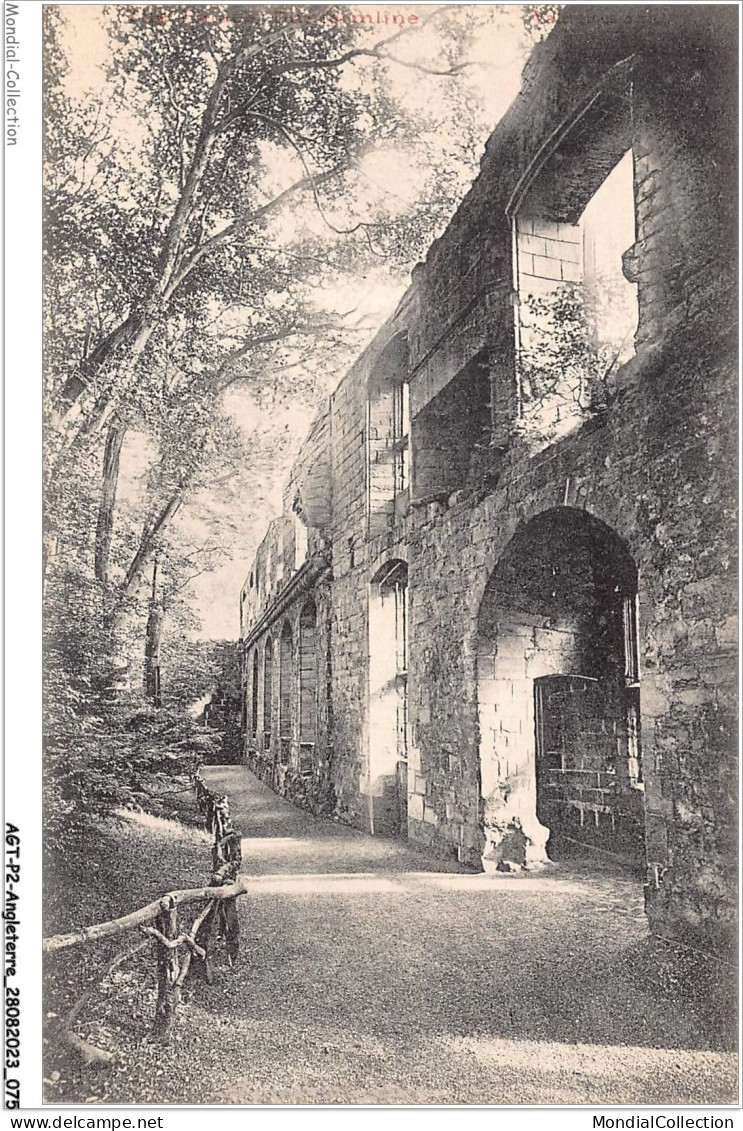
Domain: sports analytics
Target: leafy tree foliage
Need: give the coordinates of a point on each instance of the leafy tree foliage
(565, 367)
(203, 212)
(539, 19)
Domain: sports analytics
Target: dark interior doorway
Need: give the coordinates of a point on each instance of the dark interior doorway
(558, 695)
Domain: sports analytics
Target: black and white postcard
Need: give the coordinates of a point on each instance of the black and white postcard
(372, 384)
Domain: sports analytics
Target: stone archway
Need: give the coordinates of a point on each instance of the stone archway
(558, 695)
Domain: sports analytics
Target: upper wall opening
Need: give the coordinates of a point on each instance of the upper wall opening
(573, 222)
(449, 428)
(388, 436)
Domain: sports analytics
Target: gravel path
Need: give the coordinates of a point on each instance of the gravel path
(371, 973)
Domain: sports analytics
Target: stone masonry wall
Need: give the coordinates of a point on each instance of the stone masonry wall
(548, 251)
(356, 557)
(654, 466)
(687, 636)
(656, 470)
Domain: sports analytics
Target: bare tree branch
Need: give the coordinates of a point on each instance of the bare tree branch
(353, 53)
(313, 182)
(226, 235)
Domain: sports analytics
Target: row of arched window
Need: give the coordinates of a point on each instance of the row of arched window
(286, 697)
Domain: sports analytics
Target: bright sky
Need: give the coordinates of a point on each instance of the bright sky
(497, 50)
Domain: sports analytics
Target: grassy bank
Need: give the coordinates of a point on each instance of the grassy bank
(118, 865)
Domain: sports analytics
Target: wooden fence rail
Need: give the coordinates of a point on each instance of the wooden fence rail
(175, 948)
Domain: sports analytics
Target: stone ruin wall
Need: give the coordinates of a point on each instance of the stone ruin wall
(656, 468)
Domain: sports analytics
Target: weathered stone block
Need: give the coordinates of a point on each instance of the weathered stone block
(727, 632)
(415, 807)
(544, 267)
(570, 272)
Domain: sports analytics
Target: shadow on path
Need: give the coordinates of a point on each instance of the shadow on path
(446, 978)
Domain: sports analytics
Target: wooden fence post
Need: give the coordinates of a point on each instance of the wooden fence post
(168, 969)
(227, 855)
(226, 861)
(163, 913)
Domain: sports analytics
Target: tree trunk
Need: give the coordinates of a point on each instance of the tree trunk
(146, 551)
(80, 411)
(152, 655)
(104, 531)
(148, 545)
(83, 415)
(153, 637)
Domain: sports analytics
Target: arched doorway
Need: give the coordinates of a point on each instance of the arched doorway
(388, 699)
(558, 695)
(286, 688)
(308, 685)
(267, 693)
(254, 697)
